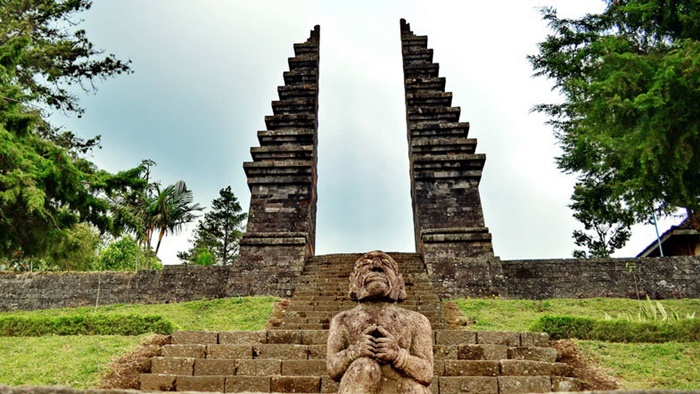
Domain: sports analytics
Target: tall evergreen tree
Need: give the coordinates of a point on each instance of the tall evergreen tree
(630, 118)
(47, 186)
(218, 234)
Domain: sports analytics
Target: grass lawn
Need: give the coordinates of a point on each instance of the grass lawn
(519, 315)
(79, 361)
(669, 365)
(75, 361)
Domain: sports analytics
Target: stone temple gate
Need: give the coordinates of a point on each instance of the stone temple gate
(445, 171)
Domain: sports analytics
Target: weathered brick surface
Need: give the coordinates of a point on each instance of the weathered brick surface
(470, 384)
(172, 366)
(280, 351)
(189, 350)
(538, 339)
(666, 277)
(242, 337)
(201, 383)
(156, 382)
(229, 351)
(304, 367)
(471, 368)
(498, 338)
(524, 384)
(259, 367)
(454, 337)
(195, 337)
(295, 384)
(239, 384)
(207, 367)
(547, 354)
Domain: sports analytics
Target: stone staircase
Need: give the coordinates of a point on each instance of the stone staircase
(289, 357)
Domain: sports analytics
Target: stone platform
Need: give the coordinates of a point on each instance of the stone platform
(290, 356)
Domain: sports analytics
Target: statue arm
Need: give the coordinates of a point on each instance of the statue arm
(337, 351)
(417, 362)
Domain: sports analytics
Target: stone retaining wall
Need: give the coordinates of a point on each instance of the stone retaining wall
(670, 277)
(29, 291)
(667, 277)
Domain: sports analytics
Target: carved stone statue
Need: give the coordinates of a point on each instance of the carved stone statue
(378, 347)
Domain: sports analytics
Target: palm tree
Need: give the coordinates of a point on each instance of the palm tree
(169, 210)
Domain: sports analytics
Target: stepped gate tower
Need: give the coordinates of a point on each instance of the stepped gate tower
(445, 171)
(281, 228)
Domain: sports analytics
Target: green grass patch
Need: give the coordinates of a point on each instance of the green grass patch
(89, 324)
(519, 315)
(75, 361)
(564, 327)
(670, 365)
(225, 314)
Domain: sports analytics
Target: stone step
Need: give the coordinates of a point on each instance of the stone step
(416, 84)
(428, 99)
(421, 69)
(318, 351)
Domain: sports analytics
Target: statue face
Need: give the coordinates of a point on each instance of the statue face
(376, 278)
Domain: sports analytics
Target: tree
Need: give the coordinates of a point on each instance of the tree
(629, 122)
(217, 236)
(608, 219)
(153, 211)
(47, 186)
(122, 255)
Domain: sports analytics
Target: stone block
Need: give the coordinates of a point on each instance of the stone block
(495, 352)
(435, 385)
(304, 367)
(468, 384)
(239, 384)
(259, 367)
(157, 382)
(285, 336)
(498, 338)
(444, 352)
(191, 350)
(546, 354)
(329, 385)
(524, 384)
(208, 367)
(280, 351)
(172, 365)
(314, 337)
(564, 384)
(438, 367)
(538, 339)
(471, 368)
(527, 368)
(194, 337)
(295, 384)
(317, 352)
(470, 352)
(244, 352)
(454, 337)
(201, 383)
(242, 337)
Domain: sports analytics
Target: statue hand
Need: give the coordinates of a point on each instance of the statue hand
(365, 346)
(387, 347)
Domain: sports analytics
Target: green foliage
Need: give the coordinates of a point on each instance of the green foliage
(69, 361)
(87, 324)
(628, 124)
(520, 315)
(151, 210)
(562, 327)
(47, 186)
(225, 314)
(122, 255)
(218, 235)
(670, 365)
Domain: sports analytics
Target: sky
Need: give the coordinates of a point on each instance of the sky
(206, 71)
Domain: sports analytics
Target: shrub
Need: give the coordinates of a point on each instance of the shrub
(92, 324)
(562, 327)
